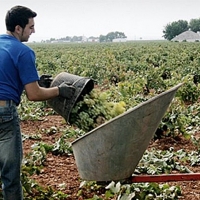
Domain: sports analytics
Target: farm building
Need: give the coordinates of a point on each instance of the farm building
(119, 40)
(188, 36)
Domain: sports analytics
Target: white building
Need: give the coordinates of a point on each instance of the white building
(119, 40)
(188, 36)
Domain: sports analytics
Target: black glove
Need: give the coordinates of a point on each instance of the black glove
(65, 90)
(45, 80)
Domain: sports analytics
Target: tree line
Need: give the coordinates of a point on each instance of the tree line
(177, 27)
(102, 38)
(170, 31)
(111, 36)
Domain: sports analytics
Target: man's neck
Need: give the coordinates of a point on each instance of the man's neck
(12, 34)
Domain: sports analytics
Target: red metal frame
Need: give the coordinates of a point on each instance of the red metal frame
(166, 177)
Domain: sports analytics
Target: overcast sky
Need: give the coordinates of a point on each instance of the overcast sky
(144, 19)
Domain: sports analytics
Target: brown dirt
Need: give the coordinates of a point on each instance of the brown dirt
(62, 169)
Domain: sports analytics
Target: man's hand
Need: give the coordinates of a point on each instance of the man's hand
(65, 90)
(45, 80)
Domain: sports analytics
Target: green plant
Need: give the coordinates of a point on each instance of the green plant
(190, 92)
(143, 69)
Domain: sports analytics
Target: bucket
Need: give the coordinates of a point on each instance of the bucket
(112, 151)
(82, 86)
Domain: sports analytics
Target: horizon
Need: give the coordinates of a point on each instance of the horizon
(135, 18)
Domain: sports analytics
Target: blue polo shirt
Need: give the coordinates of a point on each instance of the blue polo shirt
(17, 68)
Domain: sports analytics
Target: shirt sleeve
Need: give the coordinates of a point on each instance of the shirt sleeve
(27, 68)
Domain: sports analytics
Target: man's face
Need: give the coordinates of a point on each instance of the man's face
(27, 31)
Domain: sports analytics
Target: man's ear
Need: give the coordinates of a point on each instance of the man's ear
(18, 29)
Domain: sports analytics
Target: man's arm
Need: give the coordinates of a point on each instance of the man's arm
(36, 93)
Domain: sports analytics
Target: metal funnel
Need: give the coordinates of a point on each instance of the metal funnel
(113, 150)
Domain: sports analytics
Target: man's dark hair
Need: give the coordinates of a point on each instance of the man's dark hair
(18, 15)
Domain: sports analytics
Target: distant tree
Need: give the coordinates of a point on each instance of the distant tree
(68, 38)
(112, 35)
(175, 28)
(194, 25)
(119, 35)
(52, 39)
(102, 38)
(76, 39)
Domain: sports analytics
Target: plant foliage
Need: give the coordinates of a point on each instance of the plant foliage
(126, 74)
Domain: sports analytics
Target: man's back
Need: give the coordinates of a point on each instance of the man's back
(17, 67)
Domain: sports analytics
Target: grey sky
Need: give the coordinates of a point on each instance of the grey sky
(136, 18)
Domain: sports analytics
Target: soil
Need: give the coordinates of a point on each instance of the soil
(62, 169)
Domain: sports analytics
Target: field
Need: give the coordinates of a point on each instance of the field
(125, 75)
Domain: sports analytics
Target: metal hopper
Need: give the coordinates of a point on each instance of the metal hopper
(113, 150)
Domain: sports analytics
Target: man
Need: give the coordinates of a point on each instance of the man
(18, 72)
